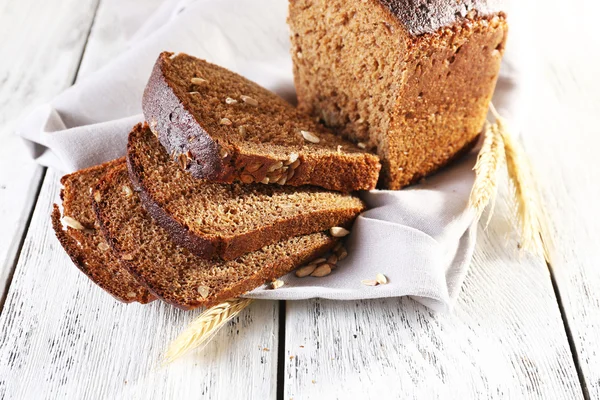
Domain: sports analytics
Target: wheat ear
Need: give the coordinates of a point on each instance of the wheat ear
(490, 159)
(529, 210)
(204, 327)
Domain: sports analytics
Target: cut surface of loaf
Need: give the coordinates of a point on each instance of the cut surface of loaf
(228, 220)
(173, 273)
(223, 127)
(83, 241)
(410, 79)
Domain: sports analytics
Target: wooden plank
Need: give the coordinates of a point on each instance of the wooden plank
(505, 338)
(562, 138)
(42, 43)
(62, 337)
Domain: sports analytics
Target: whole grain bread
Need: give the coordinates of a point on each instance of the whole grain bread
(172, 272)
(228, 220)
(83, 241)
(412, 80)
(223, 127)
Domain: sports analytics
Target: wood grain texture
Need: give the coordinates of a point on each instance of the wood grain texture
(505, 339)
(562, 137)
(42, 43)
(63, 337)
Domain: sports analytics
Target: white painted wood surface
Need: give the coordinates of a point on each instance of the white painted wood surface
(563, 140)
(72, 340)
(61, 337)
(505, 339)
(41, 45)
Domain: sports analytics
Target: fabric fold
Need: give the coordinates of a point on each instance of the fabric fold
(422, 238)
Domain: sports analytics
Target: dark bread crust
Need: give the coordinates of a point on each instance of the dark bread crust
(103, 271)
(172, 120)
(175, 287)
(427, 16)
(224, 247)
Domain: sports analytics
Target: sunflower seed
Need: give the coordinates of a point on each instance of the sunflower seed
(369, 282)
(253, 167)
(72, 223)
(318, 261)
(305, 271)
(103, 246)
(274, 176)
(361, 145)
(97, 197)
(277, 283)
(229, 100)
(321, 270)
(275, 166)
(292, 158)
(193, 92)
(246, 178)
(338, 231)
(265, 180)
(242, 130)
(225, 121)
(183, 161)
(131, 295)
(198, 81)
(127, 190)
(203, 291)
(341, 253)
(127, 257)
(249, 100)
(222, 152)
(381, 279)
(310, 137)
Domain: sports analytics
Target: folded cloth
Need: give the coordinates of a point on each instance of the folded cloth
(422, 238)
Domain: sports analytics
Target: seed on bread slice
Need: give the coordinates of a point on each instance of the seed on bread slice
(84, 243)
(172, 272)
(226, 128)
(228, 220)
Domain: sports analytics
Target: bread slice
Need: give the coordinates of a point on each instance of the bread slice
(228, 220)
(223, 127)
(84, 243)
(172, 272)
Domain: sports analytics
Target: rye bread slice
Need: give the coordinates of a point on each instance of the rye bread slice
(222, 127)
(228, 220)
(83, 241)
(172, 272)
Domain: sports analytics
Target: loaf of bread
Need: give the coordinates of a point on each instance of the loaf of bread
(222, 127)
(411, 80)
(228, 220)
(172, 272)
(83, 241)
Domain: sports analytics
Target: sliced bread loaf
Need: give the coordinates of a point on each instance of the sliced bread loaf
(228, 220)
(223, 127)
(84, 243)
(173, 273)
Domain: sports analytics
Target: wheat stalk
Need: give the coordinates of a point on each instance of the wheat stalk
(490, 158)
(529, 210)
(204, 327)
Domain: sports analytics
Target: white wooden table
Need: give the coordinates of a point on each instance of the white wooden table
(521, 328)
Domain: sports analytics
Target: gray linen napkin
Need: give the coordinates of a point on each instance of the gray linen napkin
(422, 238)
